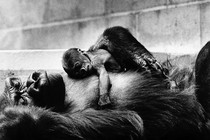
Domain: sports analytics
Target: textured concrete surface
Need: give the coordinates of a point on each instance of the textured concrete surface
(31, 60)
(59, 10)
(20, 13)
(205, 23)
(174, 30)
(60, 24)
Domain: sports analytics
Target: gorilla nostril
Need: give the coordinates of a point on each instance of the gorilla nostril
(17, 84)
(35, 75)
(33, 78)
(83, 71)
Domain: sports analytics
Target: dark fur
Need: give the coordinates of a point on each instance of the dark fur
(202, 73)
(181, 76)
(164, 115)
(40, 124)
(127, 51)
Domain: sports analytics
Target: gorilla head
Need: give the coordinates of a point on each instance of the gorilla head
(46, 90)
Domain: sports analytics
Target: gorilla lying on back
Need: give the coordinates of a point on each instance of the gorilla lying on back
(143, 107)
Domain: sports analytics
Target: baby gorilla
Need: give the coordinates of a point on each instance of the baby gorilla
(79, 64)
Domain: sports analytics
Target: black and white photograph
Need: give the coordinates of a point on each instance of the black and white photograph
(105, 70)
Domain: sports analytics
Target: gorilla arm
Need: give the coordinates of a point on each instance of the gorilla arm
(127, 51)
(39, 124)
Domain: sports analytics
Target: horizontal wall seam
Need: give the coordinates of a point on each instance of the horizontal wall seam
(60, 51)
(71, 21)
(31, 51)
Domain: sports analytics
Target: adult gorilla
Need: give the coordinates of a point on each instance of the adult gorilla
(142, 107)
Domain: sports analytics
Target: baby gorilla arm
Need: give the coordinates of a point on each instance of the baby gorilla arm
(99, 58)
(104, 87)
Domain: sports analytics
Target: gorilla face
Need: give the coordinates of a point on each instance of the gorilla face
(46, 90)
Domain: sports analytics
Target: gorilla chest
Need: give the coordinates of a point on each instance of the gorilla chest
(82, 93)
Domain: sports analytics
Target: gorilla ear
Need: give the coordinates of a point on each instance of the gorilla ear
(202, 73)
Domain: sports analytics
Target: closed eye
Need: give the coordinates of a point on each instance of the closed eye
(85, 54)
(77, 66)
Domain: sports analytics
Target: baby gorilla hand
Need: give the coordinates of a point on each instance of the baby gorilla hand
(104, 100)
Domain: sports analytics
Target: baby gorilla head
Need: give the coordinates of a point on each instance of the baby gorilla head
(76, 63)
